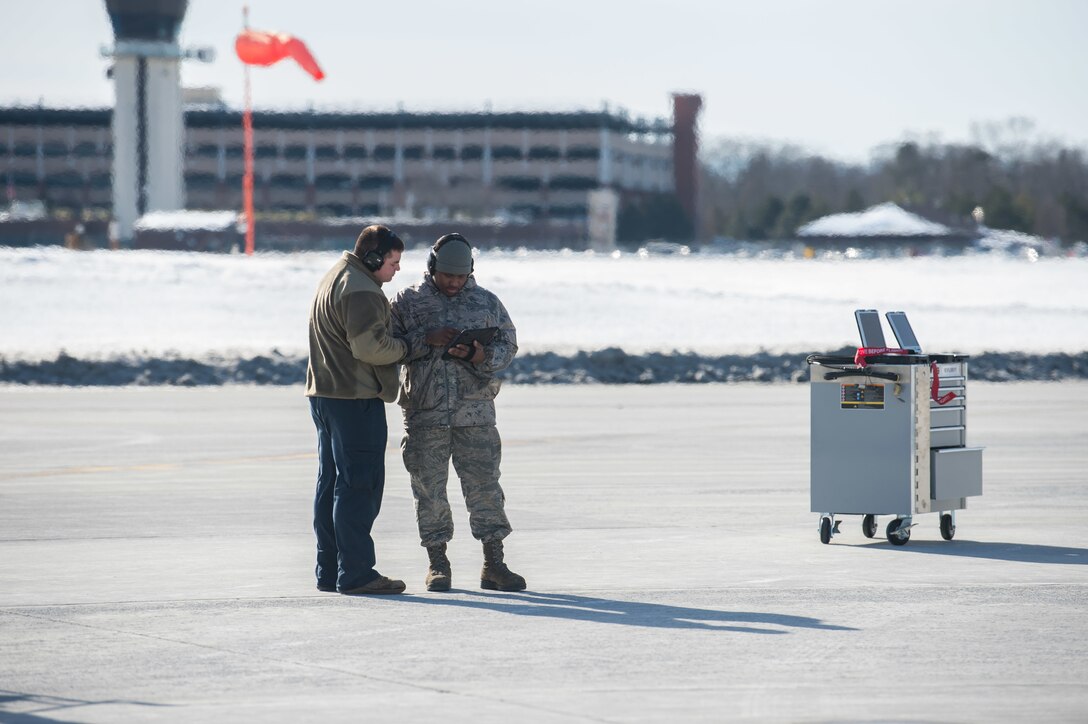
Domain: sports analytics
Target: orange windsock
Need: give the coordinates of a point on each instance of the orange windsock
(257, 47)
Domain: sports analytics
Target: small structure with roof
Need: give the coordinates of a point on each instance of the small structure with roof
(881, 224)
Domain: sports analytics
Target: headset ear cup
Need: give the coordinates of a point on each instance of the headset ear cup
(373, 261)
(432, 258)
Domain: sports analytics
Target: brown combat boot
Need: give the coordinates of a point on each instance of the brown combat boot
(495, 575)
(438, 574)
(380, 585)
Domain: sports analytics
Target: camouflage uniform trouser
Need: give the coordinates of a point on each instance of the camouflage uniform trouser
(476, 452)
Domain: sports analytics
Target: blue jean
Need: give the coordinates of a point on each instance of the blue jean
(351, 439)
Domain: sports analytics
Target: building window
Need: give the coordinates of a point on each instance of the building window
(199, 181)
(544, 153)
(330, 181)
(505, 153)
(413, 153)
(520, 183)
(326, 153)
(570, 211)
(472, 153)
(287, 181)
(583, 153)
(294, 153)
(375, 182)
(573, 183)
(444, 153)
(385, 152)
(52, 149)
(85, 149)
(67, 180)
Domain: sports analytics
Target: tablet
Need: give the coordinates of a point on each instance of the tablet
(483, 335)
(869, 328)
(903, 332)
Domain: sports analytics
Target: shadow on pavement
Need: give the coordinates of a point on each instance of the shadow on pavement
(627, 613)
(1023, 552)
(36, 708)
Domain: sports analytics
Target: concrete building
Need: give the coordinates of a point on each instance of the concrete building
(534, 166)
(152, 152)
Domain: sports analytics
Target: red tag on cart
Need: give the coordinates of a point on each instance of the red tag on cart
(863, 352)
(946, 397)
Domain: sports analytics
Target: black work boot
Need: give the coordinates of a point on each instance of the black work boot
(496, 576)
(438, 574)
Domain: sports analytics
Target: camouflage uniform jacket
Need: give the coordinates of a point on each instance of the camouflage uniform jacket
(450, 393)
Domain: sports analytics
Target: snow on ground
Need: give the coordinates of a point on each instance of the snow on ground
(106, 303)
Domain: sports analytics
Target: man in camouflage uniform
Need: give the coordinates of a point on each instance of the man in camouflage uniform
(449, 408)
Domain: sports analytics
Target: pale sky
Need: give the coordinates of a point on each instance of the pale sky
(838, 77)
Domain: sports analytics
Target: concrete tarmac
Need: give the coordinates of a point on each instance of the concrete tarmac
(156, 565)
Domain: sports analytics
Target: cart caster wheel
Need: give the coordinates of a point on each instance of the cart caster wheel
(895, 536)
(948, 528)
(868, 526)
(825, 530)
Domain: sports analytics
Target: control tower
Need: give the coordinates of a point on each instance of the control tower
(148, 126)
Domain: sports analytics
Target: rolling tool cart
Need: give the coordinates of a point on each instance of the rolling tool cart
(889, 434)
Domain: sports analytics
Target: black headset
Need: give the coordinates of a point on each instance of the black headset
(432, 260)
(375, 258)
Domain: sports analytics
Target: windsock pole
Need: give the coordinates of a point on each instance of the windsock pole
(256, 47)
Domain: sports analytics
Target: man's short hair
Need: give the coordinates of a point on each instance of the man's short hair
(377, 238)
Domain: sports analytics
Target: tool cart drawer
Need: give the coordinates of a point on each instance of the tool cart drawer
(955, 473)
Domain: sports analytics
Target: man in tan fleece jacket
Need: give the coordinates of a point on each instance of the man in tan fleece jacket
(351, 374)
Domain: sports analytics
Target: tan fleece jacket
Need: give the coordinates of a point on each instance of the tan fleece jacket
(352, 355)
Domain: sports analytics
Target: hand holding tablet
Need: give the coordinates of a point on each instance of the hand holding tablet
(467, 337)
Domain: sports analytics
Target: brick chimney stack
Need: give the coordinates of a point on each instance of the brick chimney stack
(685, 148)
